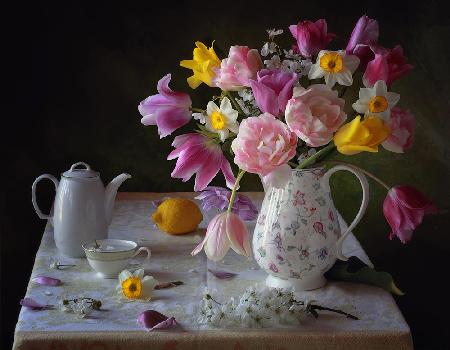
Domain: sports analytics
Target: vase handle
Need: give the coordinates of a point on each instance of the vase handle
(362, 209)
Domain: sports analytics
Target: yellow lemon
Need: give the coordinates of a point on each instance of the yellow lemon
(177, 216)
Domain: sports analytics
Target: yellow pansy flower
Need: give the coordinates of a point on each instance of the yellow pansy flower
(203, 65)
(359, 136)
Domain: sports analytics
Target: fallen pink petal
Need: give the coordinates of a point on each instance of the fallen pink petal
(151, 319)
(34, 305)
(222, 274)
(47, 281)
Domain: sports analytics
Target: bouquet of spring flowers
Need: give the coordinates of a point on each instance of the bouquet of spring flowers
(278, 108)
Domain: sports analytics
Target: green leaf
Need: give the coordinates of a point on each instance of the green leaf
(346, 271)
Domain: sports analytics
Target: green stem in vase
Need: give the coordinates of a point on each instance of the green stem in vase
(365, 172)
(234, 103)
(235, 187)
(311, 160)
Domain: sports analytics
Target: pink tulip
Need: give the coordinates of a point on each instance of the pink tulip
(226, 230)
(404, 209)
(197, 154)
(168, 110)
(388, 65)
(263, 146)
(238, 68)
(402, 125)
(364, 36)
(311, 36)
(315, 114)
(273, 89)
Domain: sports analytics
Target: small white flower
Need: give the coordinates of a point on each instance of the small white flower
(222, 119)
(376, 101)
(274, 32)
(246, 95)
(290, 66)
(273, 63)
(268, 48)
(201, 117)
(334, 66)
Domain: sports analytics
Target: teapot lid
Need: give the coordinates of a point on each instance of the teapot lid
(86, 173)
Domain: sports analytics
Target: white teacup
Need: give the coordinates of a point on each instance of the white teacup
(110, 256)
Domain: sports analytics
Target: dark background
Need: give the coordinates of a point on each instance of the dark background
(77, 72)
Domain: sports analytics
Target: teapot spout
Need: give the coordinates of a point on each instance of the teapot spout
(110, 194)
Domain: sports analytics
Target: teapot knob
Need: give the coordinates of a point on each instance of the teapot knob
(87, 166)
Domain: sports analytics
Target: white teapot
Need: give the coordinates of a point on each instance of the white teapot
(82, 208)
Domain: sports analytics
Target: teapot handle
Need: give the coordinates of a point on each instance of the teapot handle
(33, 194)
(362, 209)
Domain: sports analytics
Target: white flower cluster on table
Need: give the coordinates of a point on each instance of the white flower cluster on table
(254, 309)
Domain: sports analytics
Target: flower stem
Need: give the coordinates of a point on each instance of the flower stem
(234, 102)
(343, 91)
(365, 172)
(323, 308)
(198, 110)
(236, 184)
(311, 160)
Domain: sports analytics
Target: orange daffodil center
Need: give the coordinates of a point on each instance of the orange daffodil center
(332, 62)
(217, 120)
(132, 287)
(378, 104)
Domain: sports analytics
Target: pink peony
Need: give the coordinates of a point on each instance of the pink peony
(311, 36)
(168, 110)
(402, 125)
(388, 65)
(404, 209)
(226, 230)
(273, 89)
(235, 71)
(197, 154)
(263, 146)
(364, 36)
(314, 114)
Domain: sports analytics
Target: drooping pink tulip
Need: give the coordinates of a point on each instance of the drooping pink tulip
(404, 209)
(238, 68)
(363, 37)
(197, 154)
(226, 230)
(273, 89)
(311, 36)
(168, 110)
(402, 125)
(387, 65)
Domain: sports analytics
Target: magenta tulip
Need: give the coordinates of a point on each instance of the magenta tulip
(168, 110)
(311, 36)
(197, 154)
(388, 65)
(404, 209)
(272, 90)
(226, 230)
(364, 36)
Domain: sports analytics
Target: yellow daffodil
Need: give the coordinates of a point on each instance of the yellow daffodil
(203, 65)
(359, 136)
(135, 285)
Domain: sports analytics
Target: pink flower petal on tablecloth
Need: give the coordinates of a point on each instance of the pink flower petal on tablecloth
(222, 274)
(47, 281)
(34, 305)
(151, 319)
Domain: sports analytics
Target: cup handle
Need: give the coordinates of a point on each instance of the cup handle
(362, 209)
(143, 249)
(33, 194)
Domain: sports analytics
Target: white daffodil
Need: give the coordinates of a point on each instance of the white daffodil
(135, 285)
(376, 101)
(221, 120)
(334, 66)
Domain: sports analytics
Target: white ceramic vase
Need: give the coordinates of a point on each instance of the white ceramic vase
(297, 237)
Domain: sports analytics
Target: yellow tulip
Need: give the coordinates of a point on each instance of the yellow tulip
(203, 65)
(359, 136)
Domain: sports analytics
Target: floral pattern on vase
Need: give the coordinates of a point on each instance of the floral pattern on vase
(297, 230)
